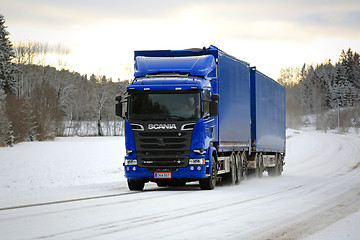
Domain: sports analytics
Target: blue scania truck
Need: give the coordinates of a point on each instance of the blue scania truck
(200, 115)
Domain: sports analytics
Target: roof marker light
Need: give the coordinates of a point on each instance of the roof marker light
(146, 88)
(178, 88)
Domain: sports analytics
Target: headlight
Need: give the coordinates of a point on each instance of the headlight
(197, 161)
(130, 162)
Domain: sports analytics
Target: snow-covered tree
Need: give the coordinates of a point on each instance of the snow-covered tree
(6, 134)
(344, 89)
(7, 69)
(28, 120)
(47, 111)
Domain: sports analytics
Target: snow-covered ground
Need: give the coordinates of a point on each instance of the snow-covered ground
(316, 198)
(30, 170)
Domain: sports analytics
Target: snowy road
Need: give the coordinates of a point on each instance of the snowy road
(319, 186)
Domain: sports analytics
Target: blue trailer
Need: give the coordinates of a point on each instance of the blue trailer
(200, 115)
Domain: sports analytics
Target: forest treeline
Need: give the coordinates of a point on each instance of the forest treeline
(327, 94)
(39, 102)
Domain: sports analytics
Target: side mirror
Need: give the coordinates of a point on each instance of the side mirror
(214, 109)
(118, 107)
(118, 99)
(214, 106)
(215, 97)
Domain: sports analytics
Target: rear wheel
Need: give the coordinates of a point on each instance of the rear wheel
(135, 185)
(239, 168)
(210, 182)
(232, 174)
(260, 166)
(281, 164)
(230, 177)
(258, 171)
(274, 171)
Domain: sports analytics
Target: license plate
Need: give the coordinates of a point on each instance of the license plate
(162, 175)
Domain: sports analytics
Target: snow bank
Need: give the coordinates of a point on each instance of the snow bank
(35, 167)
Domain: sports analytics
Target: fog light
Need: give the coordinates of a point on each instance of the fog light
(127, 169)
(197, 161)
(134, 168)
(191, 168)
(199, 168)
(130, 162)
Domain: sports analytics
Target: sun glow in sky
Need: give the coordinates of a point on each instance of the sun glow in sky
(102, 35)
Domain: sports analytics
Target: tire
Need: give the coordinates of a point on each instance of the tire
(281, 164)
(273, 171)
(232, 174)
(239, 168)
(135, 185)
(257, 172)
(230, 177)
(259, 169)
(210, 182)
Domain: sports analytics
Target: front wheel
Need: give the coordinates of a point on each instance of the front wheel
(210, 182)
(135, 185)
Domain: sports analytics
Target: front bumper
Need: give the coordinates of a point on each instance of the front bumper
(190, 172)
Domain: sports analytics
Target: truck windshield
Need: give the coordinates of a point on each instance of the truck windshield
(164, 106)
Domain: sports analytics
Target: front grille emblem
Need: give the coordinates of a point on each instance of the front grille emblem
(179, 134)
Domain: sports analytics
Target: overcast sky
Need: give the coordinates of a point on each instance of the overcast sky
(102, 35)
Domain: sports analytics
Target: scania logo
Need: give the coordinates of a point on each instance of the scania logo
(157, 126)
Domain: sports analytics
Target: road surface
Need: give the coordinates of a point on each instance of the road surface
(319, 186)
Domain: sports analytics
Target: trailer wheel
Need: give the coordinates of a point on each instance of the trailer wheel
(230, 177)
(277, 170)
(273, 171)
(233, 170)
(210, 182)
(281, 164)
(259, 166)
(135, 185)
(239, 168)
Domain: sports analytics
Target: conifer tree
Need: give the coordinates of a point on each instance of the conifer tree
(7, 69)
(6, 136)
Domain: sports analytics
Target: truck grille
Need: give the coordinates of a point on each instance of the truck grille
(162, 150)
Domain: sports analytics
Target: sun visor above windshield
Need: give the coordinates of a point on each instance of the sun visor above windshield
(203, 66)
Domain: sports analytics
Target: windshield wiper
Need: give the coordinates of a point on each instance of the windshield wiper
(175, 117)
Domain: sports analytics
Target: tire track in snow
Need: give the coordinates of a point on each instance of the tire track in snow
(338, 206)
(126, 225)
(65, 201)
